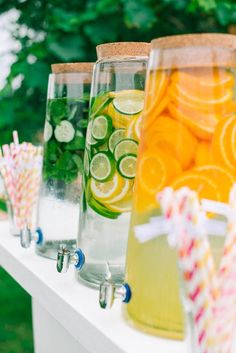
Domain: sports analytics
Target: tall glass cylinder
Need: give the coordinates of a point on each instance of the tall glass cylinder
(64, 143)
(187, 139)
(112, 139)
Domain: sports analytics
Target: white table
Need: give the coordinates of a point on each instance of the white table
(66, 315)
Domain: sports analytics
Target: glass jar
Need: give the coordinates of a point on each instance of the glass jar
(116, 103)
(187, 139)
(64, 144)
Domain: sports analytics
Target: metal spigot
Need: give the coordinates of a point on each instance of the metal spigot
(27, 236)
(108, 292)
(65, 258)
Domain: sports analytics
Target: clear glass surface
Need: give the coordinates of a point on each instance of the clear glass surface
(116, 104)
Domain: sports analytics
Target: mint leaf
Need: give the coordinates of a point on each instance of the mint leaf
(78, 143)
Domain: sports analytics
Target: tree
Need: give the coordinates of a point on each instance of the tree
(65, 31)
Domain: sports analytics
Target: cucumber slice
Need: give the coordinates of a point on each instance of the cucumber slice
(116, 137)
(64, 132)
(102, 127)
(126, 166)
(48, 130)
(124, 147)
(102, 166)
(129, 102)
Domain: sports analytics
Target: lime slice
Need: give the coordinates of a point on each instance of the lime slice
(89, 138)
(101, 127)
(86, 163)
(129, 102)
(97, 206)
(102, 166)
(116, 137)
(124, 147)
(102, 210)
(104, 191)
(126, 166)
(99, 103)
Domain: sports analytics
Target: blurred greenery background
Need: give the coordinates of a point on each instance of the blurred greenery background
(67, 31)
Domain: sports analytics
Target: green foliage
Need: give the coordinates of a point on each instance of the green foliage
(64, 31)
(15, 319)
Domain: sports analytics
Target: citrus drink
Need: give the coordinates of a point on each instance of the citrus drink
(188, 138)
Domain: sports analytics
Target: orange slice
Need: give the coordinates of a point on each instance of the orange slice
(151, 116)
(222, 177)
(203, 185)
(206, 83)
(155, 87)
(202, 125)
(183, 97)
(219, 107)
(223, 143)
(155, 170)
(173, 138)
(203, 154)
(156, 100)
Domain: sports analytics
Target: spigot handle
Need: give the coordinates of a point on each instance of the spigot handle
(109, 292)
(26, 237)
(65, 258)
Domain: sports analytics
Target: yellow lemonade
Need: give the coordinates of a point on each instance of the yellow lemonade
(188, 138)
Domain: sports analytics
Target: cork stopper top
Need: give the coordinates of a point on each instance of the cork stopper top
(72, 68)
(122, 49)
(202, 39)
(194, 50)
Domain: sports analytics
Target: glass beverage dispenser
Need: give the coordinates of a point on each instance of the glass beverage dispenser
(64, 144)
(116, 103)
(187, 139)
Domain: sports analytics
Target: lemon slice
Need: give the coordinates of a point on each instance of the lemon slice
(120, 206)
(105, 191)
(124, 192)
(129, 102)
(137, 128)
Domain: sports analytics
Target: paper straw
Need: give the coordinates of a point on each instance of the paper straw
(194, 258)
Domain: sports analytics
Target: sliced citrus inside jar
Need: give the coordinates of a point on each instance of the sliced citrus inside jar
(223, 143)
(105, 191)
(206, 83)
(126, 166)
(203, 154)
(202, 184)
(116, 137)
(101, 127)
(172, 137)
(223, 178)
(202, 125)
(184, 98)
(124, 147)
(155, 170)
(129, 102)
(102, 166)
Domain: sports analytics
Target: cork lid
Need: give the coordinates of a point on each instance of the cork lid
(122, 49)
(72, 67)
(202, 39)
(189, 50)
